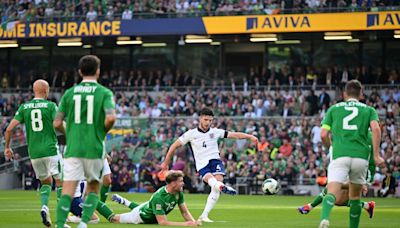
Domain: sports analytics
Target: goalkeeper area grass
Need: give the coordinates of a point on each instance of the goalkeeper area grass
(22, 209)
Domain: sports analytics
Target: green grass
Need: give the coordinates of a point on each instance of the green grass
(21, 209)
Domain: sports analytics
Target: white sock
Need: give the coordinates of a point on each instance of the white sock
(127, 202)
(215, 184)
(211, 201)
(365, 205)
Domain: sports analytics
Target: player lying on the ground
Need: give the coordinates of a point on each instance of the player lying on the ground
(156, 209)
(342, 200)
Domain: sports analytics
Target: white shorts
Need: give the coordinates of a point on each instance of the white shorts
(132, 217)
(47, 166)
(106, 169)
(76, 169)
(345, 169)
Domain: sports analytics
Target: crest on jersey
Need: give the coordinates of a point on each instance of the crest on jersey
(158, 207)
(211, 135)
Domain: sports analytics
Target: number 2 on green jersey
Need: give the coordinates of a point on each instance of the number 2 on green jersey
(350, 117)
(90, 101)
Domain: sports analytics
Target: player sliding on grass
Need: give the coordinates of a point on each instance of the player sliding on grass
(157, 208)
(38, 115)
(203, 143)
(349, 122)
(343, 198)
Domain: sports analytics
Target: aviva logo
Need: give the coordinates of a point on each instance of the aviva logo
(383, 19)
(278, 22)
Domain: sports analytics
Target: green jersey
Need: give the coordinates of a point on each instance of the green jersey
(160, 203)
(84, 107)
(38, 116)
(349, 122)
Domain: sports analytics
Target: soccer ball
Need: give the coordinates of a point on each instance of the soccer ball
(270, 186)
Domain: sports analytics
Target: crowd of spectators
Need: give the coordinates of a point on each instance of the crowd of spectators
(91, 10)
(272, 92)
(167, 79)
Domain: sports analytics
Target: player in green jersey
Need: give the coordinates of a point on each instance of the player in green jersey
(343, 198)
(38, 115)
(89, 111)
(157, 208)
(349, 122)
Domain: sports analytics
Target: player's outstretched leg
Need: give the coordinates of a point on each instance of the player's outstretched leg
(121, 200)
(45, 192)
(369, 207)
(317, 201)
(328, 203)
(228, 190)
(45, 214)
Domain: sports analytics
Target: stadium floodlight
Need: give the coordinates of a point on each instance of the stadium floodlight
(288, 42)
(195, 39)
(396, 34)
(69, 42)
(198, 41)
(354, 40)
(31, 48)
(263, 37)
(154, 45)
(87, 46)
(8, 43)
(126, 40)
(338, 36)
(129, 42)
(215, 43)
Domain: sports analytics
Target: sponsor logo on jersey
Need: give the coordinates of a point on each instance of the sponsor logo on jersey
(211, 135)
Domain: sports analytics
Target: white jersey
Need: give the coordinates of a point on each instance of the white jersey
(204, 145)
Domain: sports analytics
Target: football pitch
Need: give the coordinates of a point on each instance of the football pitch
(21, 209)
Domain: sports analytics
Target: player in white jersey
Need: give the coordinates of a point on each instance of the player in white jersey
(203, 142)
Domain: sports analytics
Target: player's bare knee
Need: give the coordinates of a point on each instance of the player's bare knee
(219, 177)
(47, 180)
(93, 186)
(58, 182)
(107, 180)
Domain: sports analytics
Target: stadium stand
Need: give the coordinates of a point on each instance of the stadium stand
(282, 104)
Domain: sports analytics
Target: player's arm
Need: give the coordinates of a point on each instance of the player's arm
(58, 122)
(163, 221)
(109, 110)
(241, 135)
(376, 140)
(110, 119)
(170, 154)
(325, 128)
(185, 212)
(325, 137)
(7, 137)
